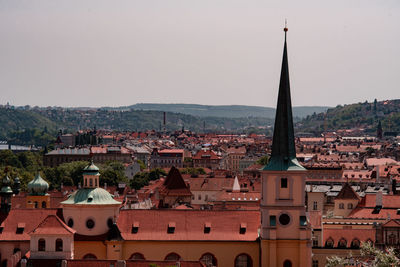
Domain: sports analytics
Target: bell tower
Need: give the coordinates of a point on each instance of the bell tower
(285, 233)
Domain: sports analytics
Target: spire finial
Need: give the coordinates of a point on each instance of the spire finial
(285, 29)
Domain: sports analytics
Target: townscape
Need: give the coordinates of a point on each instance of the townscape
(188, 198)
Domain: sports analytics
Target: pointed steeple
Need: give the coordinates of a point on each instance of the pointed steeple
(283, 156)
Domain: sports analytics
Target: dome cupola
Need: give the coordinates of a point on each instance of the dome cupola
(38, 186)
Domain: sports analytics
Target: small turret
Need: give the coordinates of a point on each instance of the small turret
(17, 186)
(91, 176)
(6, 194)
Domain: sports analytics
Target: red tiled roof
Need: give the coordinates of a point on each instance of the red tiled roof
(31, 218)
(52, 225)
(205, 154)
(388, 201)
(174, 184)
(189, 225)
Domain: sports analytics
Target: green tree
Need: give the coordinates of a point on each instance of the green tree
(263, 160)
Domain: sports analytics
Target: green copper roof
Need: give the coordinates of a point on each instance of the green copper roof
(6, 185)
(91, 196)
(91, 169)
(38, 186)
(283, 156)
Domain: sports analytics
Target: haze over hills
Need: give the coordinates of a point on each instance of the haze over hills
(225, 111)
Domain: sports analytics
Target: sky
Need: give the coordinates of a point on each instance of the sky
(214, 52)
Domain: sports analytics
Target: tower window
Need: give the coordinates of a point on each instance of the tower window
(272, 220)
(283, 182)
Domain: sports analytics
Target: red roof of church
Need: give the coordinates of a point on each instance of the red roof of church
(52, 225)
(189, 225)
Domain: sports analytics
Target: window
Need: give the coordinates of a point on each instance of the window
(36, 205)
(355, 244)
(90, 224)
(172, 257)
(70, 223)
(137, 256)
(90, 182)
(315, 242)
(59, 244)
(135, 228)
(392, 240)
(284, 219)
(199, 197)
(283, 182)
(329, 243)
(207, 228)
(171, 228)
(272, 220)
(342, 243)
(315, 205)
(44, 204)
(350, 206)
(314, 263)
(242, 229)
(303, 221)
(208, 260)
(243, 260)
(287, 263)
(41, 245)
(341, 206)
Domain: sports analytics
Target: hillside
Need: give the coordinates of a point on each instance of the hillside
(34, 126)
(230, 111)
(361, 115)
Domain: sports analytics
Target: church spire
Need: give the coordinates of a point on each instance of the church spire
(283, 156)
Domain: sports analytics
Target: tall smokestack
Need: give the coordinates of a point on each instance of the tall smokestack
(164, 121)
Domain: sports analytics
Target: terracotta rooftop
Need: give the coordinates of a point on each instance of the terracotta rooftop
(52, 225)
(347, 192)
(188, 225)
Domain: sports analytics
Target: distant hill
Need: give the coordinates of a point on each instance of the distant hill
(361, 115)
(35, 126)
(231, 111)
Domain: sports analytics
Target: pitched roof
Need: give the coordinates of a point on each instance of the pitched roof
(347, 192)
(31, 218)
(189, 225)
(174, 184)
(52, 225)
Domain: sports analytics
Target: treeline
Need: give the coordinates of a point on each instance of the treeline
(26, 165)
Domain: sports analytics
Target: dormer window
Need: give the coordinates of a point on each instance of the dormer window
(171, 228)
(207, 228)
(284, 183)
(20, 228)
(242, 229)
(135, 228)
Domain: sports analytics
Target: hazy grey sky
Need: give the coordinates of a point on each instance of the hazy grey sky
(112, 53)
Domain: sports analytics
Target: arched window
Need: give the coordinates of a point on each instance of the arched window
(90, 182)
(329, 243)
(341, 206)
(208, 260)
(287, 263)
(44, 204)
(41, 245)
(355, 243)
(392, 240)
(243, 260)
(137, 256)
(59, 244)
(89, 257)
(172, 257)
(36, 205)
(342, 243)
